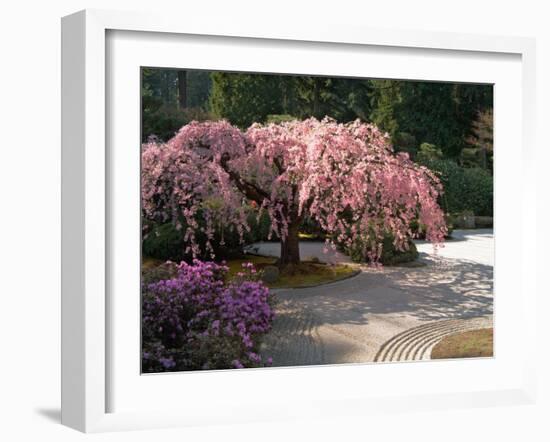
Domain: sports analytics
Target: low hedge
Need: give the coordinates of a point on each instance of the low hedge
(390, 255)
(165, 242)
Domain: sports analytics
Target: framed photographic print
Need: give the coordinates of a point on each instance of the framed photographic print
(270, 223)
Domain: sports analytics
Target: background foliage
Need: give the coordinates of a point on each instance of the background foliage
(446, 127)
(452, 116)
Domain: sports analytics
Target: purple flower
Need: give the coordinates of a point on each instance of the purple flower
(254, 357)
(197, 316)
(237, 364)
(167, 362)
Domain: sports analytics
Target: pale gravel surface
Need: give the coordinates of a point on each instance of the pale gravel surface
(350, 320)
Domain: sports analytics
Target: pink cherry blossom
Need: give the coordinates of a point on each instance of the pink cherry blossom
(346, 177)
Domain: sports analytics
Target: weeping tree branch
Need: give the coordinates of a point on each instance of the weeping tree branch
(250, 190)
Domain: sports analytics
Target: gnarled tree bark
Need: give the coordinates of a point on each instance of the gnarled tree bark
(290, 246)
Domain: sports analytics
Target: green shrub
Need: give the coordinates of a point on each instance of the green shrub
(312, 229)
(279, 118)
(484, 221)
(165, 242)
(428, 152)
(390, 255)
(259, 228)
(471, 157)
(419, 230)
(465, 220)
(163, 121)
(465, 188)
(479, 191)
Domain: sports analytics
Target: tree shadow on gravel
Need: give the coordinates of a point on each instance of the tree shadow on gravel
(444, 289)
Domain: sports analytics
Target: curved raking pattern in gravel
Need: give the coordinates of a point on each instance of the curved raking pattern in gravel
(295, 339)
(416, 344)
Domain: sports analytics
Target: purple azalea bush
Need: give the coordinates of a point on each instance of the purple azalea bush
(200, 320)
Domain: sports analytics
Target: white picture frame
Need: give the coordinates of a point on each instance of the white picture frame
(86, 210)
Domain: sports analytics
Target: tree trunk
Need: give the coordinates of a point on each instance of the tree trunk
(317, 97)
(484, 157)
(290, 247)
(182, 89)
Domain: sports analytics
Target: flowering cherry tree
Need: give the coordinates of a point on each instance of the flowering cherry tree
(346, 177)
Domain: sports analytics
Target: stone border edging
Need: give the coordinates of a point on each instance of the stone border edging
(351, 275)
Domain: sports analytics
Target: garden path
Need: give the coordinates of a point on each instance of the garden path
(308, 250)
(394, 313)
